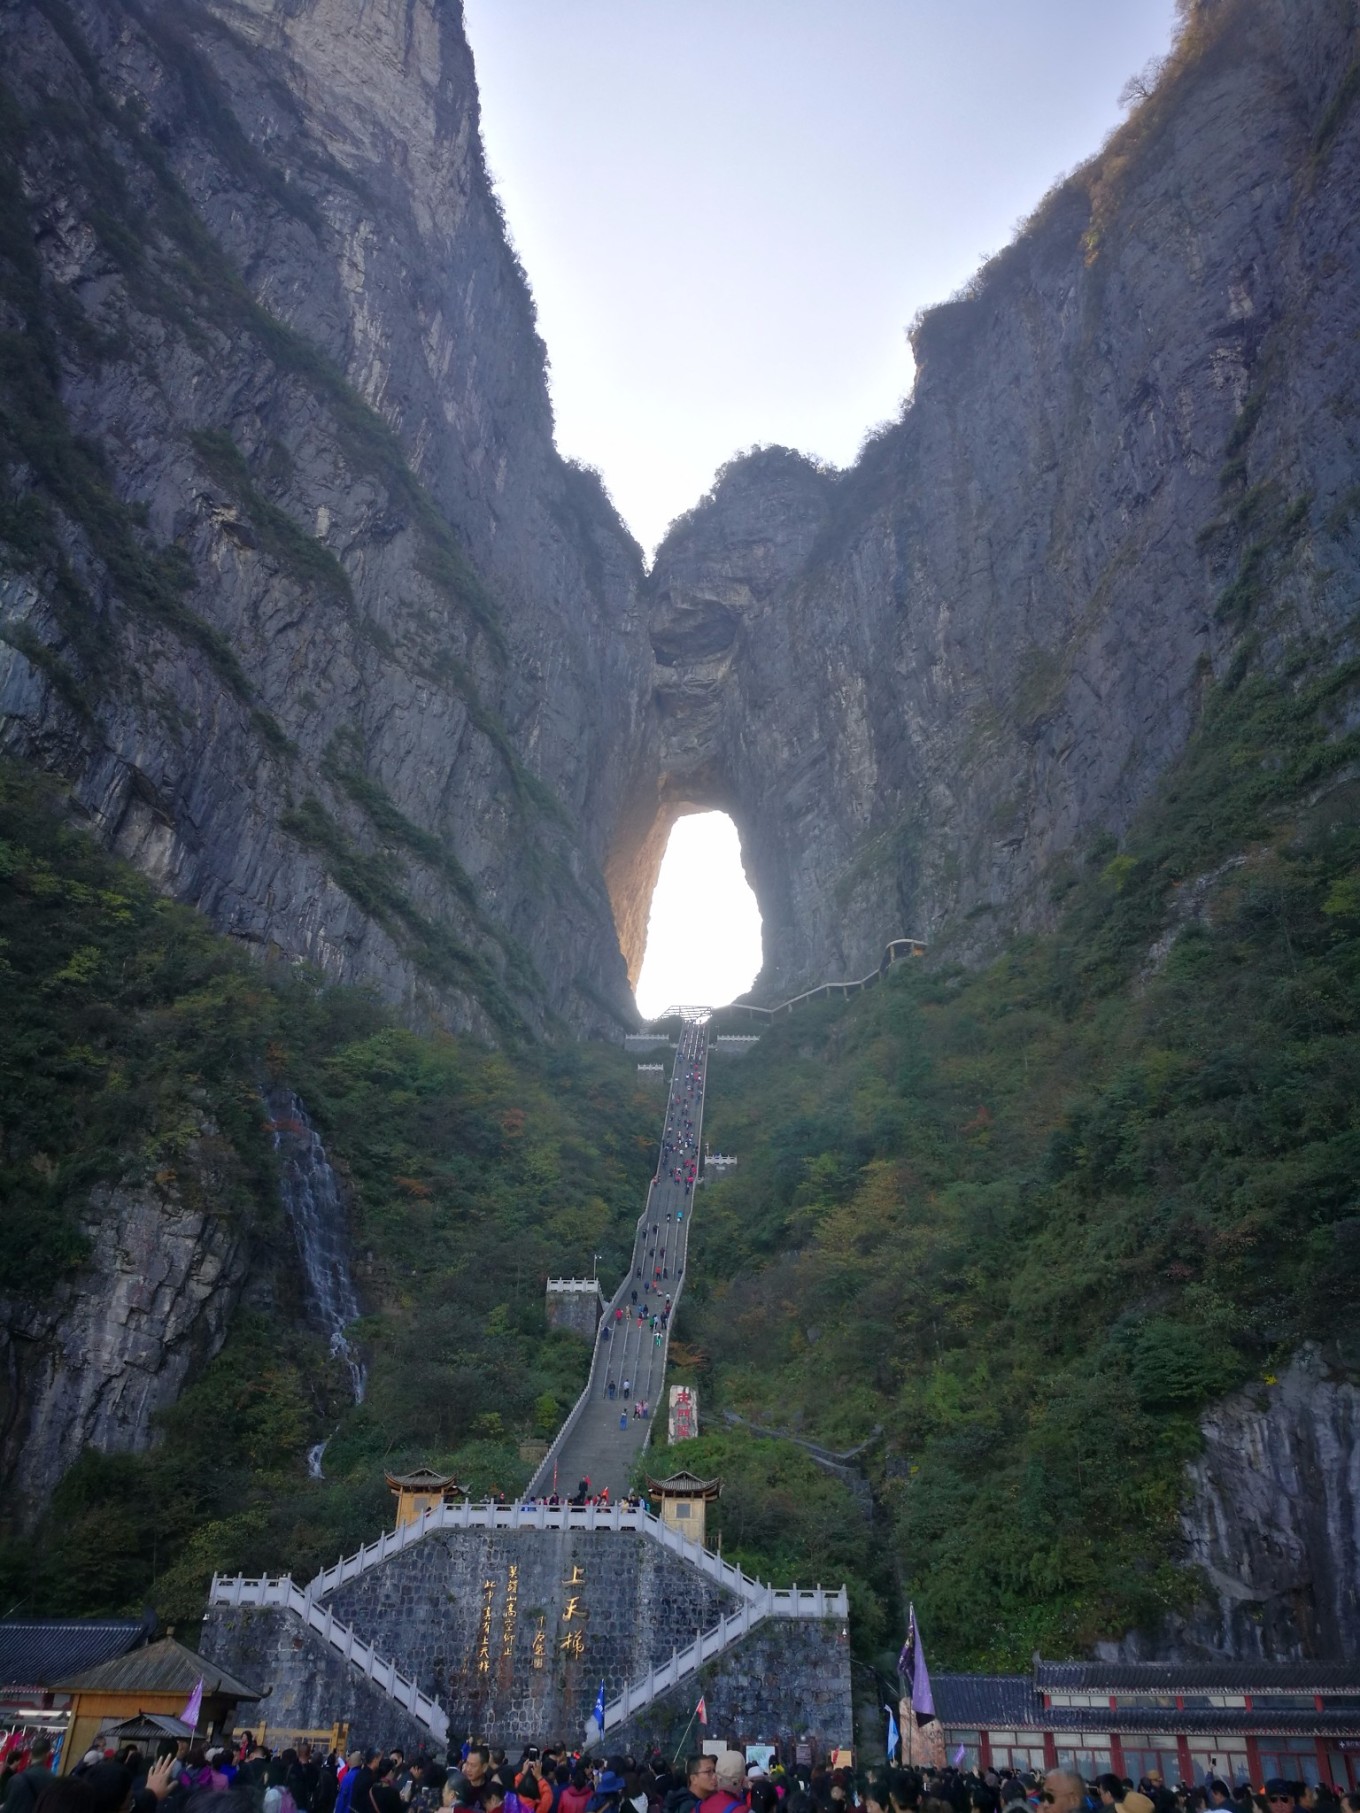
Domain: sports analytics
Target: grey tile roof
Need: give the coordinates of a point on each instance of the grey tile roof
(163, 1667)
(38, 1652)
(986, 1700)
(1198, 1677)
(1260, 1720)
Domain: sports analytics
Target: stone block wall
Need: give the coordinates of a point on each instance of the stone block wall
(307, 1685)
(576, 1310)
(513, 1630)
(788, 1679)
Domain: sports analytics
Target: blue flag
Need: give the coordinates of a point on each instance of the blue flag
(597, 1712)
(894, 1736)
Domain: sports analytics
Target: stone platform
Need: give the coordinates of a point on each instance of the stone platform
(511, 1630)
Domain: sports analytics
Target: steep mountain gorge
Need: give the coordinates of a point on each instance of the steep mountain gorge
(302, 614)
(1129, 461)
(300, 598)
(326, 637)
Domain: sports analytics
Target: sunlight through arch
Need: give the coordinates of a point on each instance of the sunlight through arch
(703, 931)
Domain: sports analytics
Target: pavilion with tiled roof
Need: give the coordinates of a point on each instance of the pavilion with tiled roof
(420, 1491)
(158, 1678)
(684, 1498)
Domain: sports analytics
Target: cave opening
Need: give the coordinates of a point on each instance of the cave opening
(703, 942)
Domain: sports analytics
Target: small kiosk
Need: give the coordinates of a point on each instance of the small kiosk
(684, 1499)
(420, 1491)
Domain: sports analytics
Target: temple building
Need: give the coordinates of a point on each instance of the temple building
(1243, 1721)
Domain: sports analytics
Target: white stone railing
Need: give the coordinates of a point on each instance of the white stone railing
(773, 1603)
(464, 1515)
(282, 1593)
(758, 1601)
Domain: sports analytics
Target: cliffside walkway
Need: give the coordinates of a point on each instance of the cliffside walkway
(591, 1444)
(893, 952)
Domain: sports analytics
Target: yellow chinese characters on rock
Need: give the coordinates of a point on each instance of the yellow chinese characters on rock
(510, 1616)
(484, 1629)
(573, 1644)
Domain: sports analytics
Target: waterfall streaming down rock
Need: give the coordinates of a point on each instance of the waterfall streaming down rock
(314, 1457)
(311, 1196)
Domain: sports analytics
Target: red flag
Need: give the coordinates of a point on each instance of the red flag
(702, 1711)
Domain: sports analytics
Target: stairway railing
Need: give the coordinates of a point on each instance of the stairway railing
(894, 951)
(797, 1602)
(283, 1593)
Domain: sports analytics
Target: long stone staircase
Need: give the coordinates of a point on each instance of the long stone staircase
(590, 1442)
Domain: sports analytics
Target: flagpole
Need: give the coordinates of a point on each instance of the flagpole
(683, 1735)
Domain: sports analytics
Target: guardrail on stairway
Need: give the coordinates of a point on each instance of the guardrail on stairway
(894, 951)
(794, 1603)
(758, 1601)
(464, 1515)
(542, 1481)
(283, 1593)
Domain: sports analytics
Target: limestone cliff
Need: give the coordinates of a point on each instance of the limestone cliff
(1128, 462)
(1272, 1522)
(298, 593)
(91, 1364)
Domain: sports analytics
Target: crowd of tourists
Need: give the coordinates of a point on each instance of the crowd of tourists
(242, 1776)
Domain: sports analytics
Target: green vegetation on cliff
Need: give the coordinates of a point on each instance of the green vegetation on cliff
(1032, 1219)
(1029, 1219)
(131, 1035)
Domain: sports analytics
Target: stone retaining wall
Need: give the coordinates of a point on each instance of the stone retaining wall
(788, 1679)
(307, 1684)
(512, 1632)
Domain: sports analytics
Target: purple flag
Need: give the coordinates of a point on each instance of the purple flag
(922, 1699)
(194, 1707)
(959, 1755)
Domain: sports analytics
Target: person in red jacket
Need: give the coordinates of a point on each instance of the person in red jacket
(576, 1795)
(730, 1794)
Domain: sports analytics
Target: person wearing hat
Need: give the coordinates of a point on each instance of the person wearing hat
(1134, 1802)
(609, 1786)
(729, 1770)
(1280, 1795)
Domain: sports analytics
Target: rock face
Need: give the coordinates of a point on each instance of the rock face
(89, 1366)
(1272, 1520)
(330, 641)
(919, 683)
(300, 597)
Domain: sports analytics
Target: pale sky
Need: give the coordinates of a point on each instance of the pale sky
(729, 210)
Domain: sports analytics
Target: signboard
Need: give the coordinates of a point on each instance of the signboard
(684, 1413)
(762, 1754)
